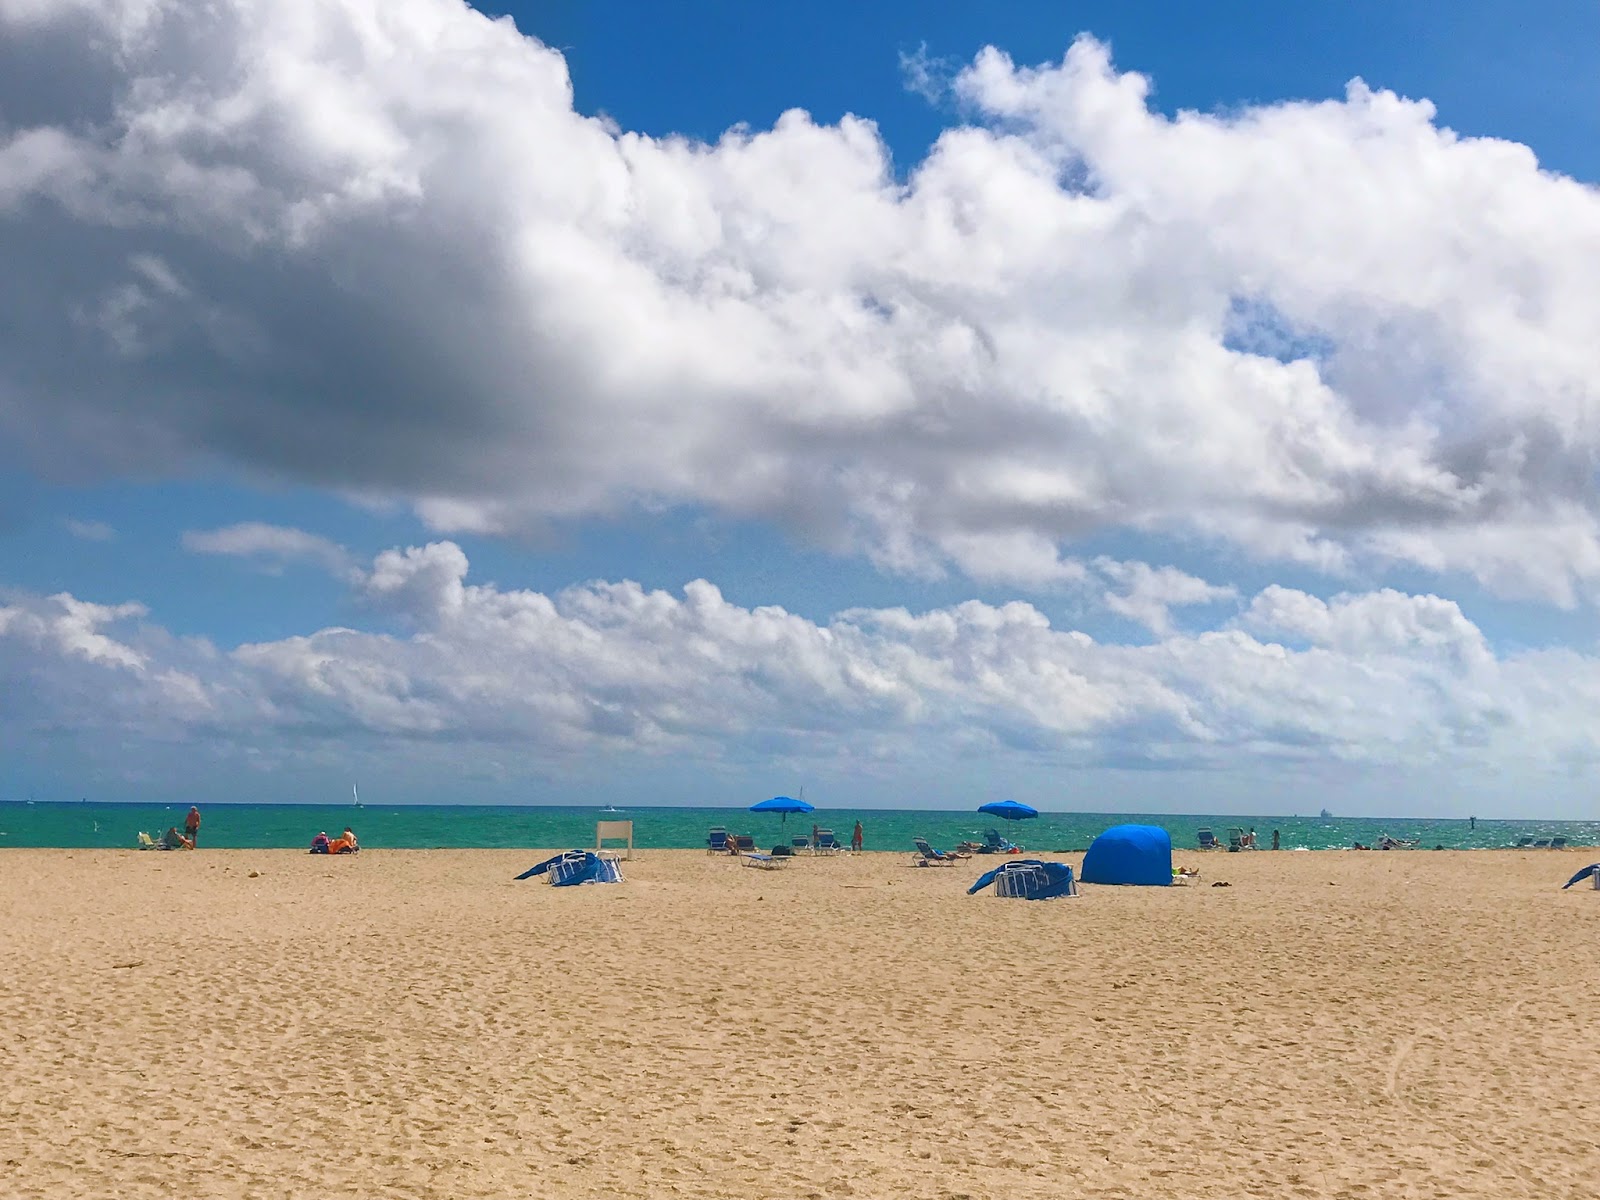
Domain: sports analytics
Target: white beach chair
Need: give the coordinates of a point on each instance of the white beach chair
(617, 831)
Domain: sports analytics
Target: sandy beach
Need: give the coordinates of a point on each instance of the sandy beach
(410, 1024)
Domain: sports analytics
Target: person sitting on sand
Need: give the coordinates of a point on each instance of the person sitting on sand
(319, 844)
(173, 840)
(341, 845)
(349, 836)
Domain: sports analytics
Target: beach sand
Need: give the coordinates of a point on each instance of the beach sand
(408, 1024)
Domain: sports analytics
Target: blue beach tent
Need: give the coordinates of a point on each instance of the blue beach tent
(1137, 854)
(574, 867)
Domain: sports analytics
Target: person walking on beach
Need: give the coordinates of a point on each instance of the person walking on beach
(816, 836)
(857, 837)
(191, 826)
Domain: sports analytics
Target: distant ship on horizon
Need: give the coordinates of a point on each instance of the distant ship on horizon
(1325, 814)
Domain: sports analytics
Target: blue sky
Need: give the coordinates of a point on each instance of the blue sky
(373, 404)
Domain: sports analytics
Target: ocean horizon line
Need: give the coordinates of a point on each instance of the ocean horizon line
(820, 808)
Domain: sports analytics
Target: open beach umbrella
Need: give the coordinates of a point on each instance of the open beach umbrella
(784, 805)
(1008, 810)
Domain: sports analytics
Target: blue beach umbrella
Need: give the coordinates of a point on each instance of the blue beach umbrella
(1008, 810)
(784, 805)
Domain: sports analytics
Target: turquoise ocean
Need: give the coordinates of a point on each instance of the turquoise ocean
(413, 827)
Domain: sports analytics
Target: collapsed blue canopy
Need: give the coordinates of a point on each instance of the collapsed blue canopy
(1136, 854)
(1028, 879)
(1008, 810)
(1592, 869)
(576, 866)
(783, 804)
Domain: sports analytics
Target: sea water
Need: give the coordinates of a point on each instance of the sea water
(412, 827)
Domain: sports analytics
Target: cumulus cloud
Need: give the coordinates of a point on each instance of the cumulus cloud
(271, 546)
(376, 248)
(1148, 594)
(612, 673)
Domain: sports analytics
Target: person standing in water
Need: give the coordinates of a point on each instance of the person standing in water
(857, 837)
(191, 826)
(1274, 839)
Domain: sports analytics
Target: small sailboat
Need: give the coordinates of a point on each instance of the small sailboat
(355, 795)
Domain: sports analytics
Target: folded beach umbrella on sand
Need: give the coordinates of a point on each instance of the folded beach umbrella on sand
(1008, 810)
(784, 805)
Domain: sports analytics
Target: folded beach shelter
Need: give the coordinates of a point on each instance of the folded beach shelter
(576, 866)
(1136, 854)
(1028, 879)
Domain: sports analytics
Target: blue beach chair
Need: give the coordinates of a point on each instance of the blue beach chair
(993, 843)
(827, 843)
(927, 856)
(717, 841)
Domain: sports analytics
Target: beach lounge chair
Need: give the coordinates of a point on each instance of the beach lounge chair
(744, 842)
(927, 856)
(717, 841)
(1236, 840)
(1208, 840)
(993, 843)
(766, 862)
(827, 843)
(799, 842)
(1540, 844)
(1558, 843)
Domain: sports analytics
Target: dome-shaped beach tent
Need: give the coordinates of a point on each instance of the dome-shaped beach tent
(1137, 854)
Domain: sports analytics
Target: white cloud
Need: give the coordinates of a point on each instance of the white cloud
(611, 674)
(272, 546)
(90, 531)
(1148, 594)
(376, 249)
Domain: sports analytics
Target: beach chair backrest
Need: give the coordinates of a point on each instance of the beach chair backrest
(1207, 839)
(923, 848)
(799, 842)
(615, 830)
(744, 841)
(717, 840)
(826, 840)
(992, 839)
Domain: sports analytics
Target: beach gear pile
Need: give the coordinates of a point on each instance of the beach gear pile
(573, 867)
(1592, 871)
(1028, 879)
